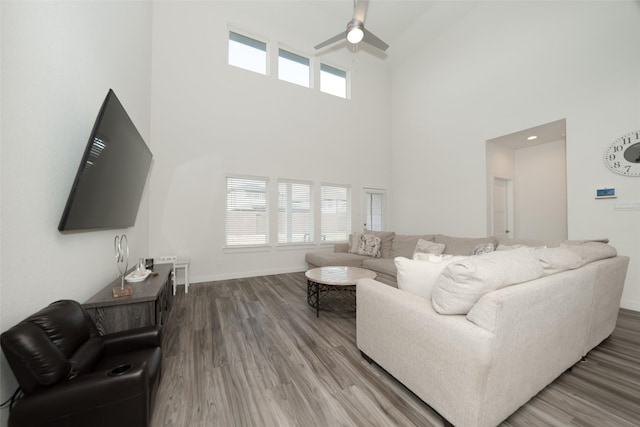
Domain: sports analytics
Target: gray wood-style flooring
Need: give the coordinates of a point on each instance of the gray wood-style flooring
(251, 352)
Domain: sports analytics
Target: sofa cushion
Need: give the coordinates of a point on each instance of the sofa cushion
(428, 247)
(380, 265)
(462, 245)
(354, 242)
(592, 251)
(550, 243)
(404, 244)
(556, 260)
(462, 283)
(386, 238)
(325, 258)
(418, 277)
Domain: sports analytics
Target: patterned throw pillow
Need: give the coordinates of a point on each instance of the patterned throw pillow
(484, 248)
(427, 247)
(369, 245)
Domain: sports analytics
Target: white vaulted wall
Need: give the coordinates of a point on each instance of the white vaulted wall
(509, 66)
(59, 59)
(210, 119)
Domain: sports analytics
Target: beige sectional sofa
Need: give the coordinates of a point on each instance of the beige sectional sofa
(392, 245)
(478, 337)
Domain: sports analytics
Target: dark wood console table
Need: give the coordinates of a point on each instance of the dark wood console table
(150, 303)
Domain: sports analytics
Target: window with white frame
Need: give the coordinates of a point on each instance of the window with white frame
(293, 68)
(333, 81)
(247, 215)
(375, 208)
(248, 53)
(335, 213)
(295, 212)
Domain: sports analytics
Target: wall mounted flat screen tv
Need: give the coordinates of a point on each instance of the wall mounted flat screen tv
(109, 182)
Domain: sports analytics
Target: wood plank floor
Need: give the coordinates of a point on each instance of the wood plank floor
(250, 352)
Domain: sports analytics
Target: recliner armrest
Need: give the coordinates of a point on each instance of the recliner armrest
(133, 339)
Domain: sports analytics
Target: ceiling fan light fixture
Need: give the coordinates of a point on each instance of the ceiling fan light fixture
(355, 31)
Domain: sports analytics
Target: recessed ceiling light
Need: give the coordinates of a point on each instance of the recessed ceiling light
(532, 137)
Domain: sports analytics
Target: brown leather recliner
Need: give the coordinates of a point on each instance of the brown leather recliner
(71, 375)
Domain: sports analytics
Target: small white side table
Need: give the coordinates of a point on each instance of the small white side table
(182, 263)
(177, 263)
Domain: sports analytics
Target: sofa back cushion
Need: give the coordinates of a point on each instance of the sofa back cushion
(591, 251)
(556, 260)
(405, 244)
(427, 247)
(462, 283)
(463, 245)
(386, 240)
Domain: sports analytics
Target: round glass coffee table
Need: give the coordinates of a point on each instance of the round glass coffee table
(323, 280)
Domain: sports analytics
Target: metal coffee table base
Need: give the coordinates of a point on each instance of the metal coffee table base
(317, 292)
(325, 282)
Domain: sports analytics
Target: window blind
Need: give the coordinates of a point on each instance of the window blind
(293, 68)
(335, 213)
(247, 53)
(247, 212)
(333, 81)
(295, 212)
(375, 208)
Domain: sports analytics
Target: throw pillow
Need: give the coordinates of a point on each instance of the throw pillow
(354, 242)
(418, 277)
(483, 248)
(427, 247)
(464, 282)
(369, 246)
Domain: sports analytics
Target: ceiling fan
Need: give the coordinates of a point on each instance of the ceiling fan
(355, 32)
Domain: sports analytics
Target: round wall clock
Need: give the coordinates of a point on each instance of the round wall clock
(623, 155)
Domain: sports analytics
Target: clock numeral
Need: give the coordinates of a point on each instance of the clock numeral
(611, 157)
(626, 140)
(616, 164)
(617, 148)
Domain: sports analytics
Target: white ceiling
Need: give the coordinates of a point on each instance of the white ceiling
(406, 25)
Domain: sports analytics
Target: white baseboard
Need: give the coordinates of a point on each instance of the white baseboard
(241, 275)
(630, 305)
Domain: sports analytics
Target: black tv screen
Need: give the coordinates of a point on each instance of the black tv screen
(108, 186)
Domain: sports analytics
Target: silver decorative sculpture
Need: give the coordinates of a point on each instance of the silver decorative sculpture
(121, 247)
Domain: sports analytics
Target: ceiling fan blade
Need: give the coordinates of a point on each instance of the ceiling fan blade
(332, 40)
(371, 39)
(360, 9)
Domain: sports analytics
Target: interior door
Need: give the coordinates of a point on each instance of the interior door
(501, 205)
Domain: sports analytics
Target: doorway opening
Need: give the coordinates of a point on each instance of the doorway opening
(527, 183)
